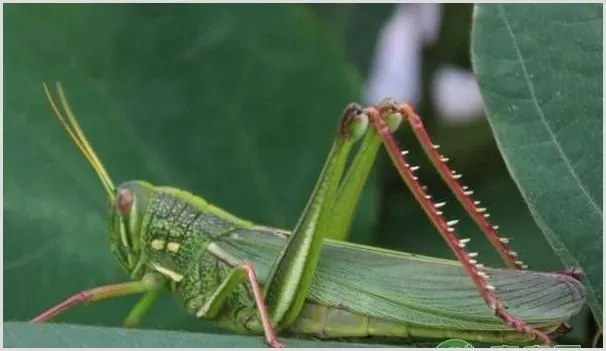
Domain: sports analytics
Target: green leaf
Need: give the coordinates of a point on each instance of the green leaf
(539, 68)
(238, 104)
(19, 334)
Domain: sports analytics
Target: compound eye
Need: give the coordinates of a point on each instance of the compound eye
(125, 201)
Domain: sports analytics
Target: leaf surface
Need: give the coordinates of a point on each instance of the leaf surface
(539, 68)
(19, 334)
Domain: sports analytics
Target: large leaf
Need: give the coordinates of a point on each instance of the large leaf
(236, 103)
(540, 71)
(19, 334)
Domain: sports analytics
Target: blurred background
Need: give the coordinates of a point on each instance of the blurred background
(238, 104)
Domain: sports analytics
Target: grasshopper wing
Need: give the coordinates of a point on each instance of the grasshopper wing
(413, 289)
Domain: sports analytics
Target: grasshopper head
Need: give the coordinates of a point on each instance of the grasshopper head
(127, 202)
(126, 211)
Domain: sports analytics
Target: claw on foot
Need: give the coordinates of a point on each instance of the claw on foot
(275, 343)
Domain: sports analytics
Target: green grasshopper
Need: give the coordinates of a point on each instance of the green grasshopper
(256, 279)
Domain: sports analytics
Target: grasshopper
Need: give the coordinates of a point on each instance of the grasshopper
(256, 279)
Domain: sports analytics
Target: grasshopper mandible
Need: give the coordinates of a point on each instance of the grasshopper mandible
(256, 279)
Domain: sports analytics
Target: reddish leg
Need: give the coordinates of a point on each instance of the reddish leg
(270, 335)
(462, 193)
(96, 294)
(445, 227)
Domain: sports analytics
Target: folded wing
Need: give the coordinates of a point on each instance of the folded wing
(414, 289)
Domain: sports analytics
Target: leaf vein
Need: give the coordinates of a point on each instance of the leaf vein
(539, 110)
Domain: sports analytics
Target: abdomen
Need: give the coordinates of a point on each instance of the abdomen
(329, 322)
